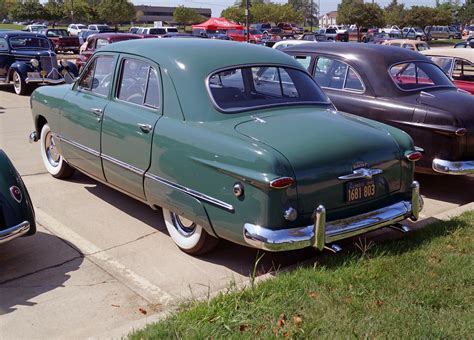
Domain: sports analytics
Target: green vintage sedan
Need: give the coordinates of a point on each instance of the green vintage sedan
(17, 216)
(234, 141)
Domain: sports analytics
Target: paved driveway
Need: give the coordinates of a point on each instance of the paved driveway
(102, 263)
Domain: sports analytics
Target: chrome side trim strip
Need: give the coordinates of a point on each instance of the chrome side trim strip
(453, 168)
(124, 165)
(79, 146)
(14, 232)
(191, 192)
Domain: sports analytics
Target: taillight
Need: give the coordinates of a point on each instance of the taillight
(413, 156)
(282, 183)
(15, 192)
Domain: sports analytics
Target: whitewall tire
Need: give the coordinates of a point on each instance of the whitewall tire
(52, 160)
(188, 236)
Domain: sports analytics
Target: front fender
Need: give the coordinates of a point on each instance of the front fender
(21, 67)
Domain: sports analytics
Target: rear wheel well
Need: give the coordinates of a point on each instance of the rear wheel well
(40, 121)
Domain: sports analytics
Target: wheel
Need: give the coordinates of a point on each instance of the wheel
(52, 160)
(19, 84)
(188, 236)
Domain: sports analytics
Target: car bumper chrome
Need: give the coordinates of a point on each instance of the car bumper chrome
(453, 168)
(321, 232)
(14, 232)
(45, 81)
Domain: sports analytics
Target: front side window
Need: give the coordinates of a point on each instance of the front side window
(304, 60)
(139, 83)
(335, 74)
(98, 75)
(463, 70)
(248, 88)
(418, 75)
(422, 47)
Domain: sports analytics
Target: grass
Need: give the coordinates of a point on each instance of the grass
(420, 286)
(445, 42)
(10, 27)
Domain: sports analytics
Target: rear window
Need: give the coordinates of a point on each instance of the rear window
(418, 75)
(247, 88)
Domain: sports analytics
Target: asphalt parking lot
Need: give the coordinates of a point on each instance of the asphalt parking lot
(102, 263)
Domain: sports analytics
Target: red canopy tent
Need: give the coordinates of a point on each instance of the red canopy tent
(218, 24)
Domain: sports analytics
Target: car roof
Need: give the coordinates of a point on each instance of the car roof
(190, 61)
(13, 33)
(372, 60)
(464, 53)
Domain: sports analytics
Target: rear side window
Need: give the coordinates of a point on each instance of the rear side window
(241, 89)
(418, 75)
(139, 83)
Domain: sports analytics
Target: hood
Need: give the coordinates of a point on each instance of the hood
(321, 146)
(32, 53)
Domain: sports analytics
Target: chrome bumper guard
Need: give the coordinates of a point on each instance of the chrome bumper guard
(14, 232)
(45, 81)
(321, 232)
(453, 168)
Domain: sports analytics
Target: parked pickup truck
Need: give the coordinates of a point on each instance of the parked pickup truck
(331, 34)
(61, 40)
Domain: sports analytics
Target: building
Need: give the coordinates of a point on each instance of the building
(328, 19)
(164, 14)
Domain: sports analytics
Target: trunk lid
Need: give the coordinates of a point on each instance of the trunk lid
(322, 146)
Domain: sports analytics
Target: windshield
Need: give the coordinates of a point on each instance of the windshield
(418, 75)
(57, 33)
(18, 43)
(247, 88)
(102, 27)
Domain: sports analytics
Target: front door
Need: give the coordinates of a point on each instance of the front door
(129, 122)
(82, 116)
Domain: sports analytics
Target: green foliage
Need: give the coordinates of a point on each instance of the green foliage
(115, 11)
(79, 10)
(395, 14)
(234, 13)
(308, 8)
(54, 10)
(27, 9)
(361, 14)
(466, 13)
(417, 287)
(187, 16)
(264, 12)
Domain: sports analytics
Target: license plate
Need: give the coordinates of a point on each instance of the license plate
(33, 75)
(360, 190)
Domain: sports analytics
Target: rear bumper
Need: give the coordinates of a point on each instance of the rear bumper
(321, 232)
(453, 168)
(14, 232)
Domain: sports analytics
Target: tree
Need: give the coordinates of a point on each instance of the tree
(234, 13)
(187, 16)
(361, 14)
(466, 14)
(79, 10)
(54, 10)
(116, 11)
(27, 10)
(395, 14)
(308, 8)
(420, 16)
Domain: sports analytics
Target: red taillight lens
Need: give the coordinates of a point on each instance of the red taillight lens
(16, 194)
(282, 183)
(414, 156)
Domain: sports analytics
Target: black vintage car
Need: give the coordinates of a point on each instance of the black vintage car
(402, 88)
(27, 60)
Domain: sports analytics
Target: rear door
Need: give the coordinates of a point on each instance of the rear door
(129, 121)
(81, 119)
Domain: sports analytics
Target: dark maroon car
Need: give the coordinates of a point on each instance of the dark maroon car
(99, 40)
(61, 40)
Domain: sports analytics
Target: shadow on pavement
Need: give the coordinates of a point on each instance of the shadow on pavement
(31, 266)
(2, 110)
(448, 188)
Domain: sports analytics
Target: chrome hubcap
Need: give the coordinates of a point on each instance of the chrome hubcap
(184, 226)
(51, 150)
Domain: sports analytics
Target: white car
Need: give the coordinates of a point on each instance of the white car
(157, 30)
(100, 28)
(392, 29)
(35, 28)
(74, 29)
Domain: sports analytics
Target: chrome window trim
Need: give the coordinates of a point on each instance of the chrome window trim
(345, 77)
(254, 108)
(191, 192)
(421, 88)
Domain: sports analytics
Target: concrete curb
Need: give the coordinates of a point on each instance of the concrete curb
(122, 332)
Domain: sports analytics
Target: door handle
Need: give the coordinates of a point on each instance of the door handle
(98, 113)
(145, 127)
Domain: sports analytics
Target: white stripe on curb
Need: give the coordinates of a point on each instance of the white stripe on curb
(129, 278)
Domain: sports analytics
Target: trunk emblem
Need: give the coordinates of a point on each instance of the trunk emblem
(365, 173)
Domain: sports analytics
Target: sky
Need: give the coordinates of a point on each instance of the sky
(218, 5)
